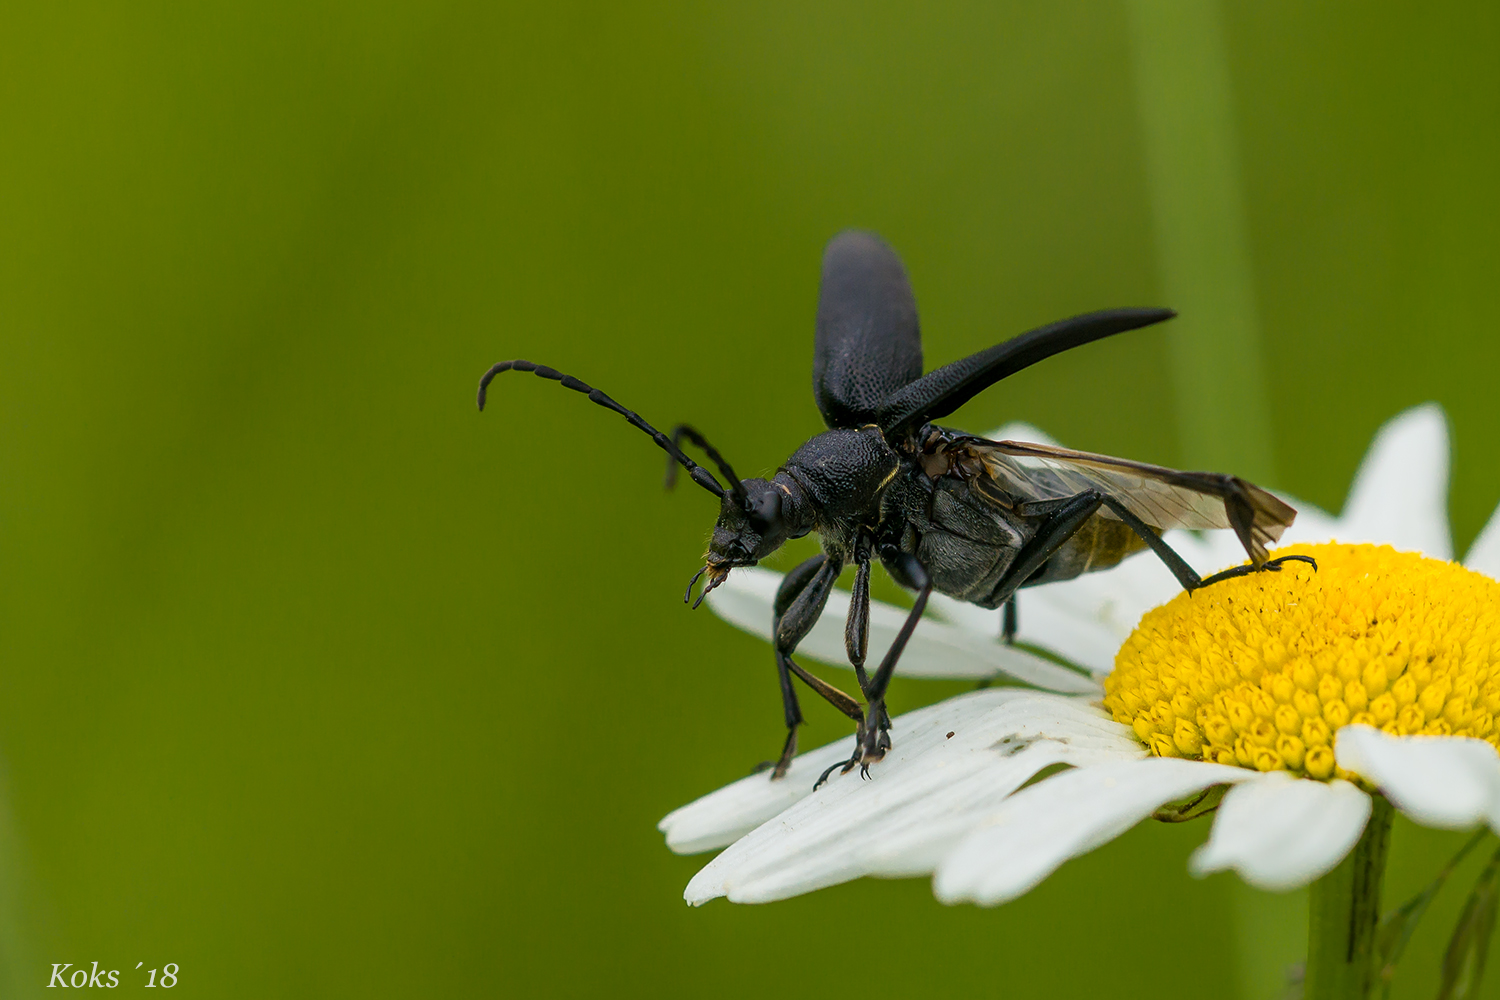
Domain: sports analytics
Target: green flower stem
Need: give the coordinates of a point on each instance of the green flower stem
(1345, 914)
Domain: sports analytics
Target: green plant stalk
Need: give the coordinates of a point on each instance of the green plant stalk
(1344, 916)
(1183, 90)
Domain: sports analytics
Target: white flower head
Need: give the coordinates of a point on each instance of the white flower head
(1294, 763)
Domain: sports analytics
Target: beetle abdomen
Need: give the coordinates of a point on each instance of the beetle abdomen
(1101, 542)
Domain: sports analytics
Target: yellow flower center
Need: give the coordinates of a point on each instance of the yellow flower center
(1262, 670)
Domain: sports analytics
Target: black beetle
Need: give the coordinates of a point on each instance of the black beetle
(946, 511)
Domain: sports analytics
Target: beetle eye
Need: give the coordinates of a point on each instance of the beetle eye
(764, 510)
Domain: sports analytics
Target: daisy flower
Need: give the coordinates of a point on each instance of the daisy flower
(1299, 707)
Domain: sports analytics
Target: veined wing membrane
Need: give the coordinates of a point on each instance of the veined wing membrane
(1163, 498)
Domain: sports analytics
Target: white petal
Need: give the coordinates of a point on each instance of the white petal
(1484, 554)
(1400, 495)
(722, 817)
(1443, 781)
(936, 648)
(928, 792)
(1281, 832)
(1040, 827)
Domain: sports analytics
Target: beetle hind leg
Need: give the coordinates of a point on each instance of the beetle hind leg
(1190, 580)
(1269, 566)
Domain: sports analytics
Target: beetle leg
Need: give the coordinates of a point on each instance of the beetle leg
(857, 626)
(799, 602)
(1190, 580)
(845, 764)
(792, 585)
(1010, 621)
(1274, 565)
(876, 740)
(1064, 518)
(838, 700)
(1069, 514)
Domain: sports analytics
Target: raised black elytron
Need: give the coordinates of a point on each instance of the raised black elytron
(944, 510)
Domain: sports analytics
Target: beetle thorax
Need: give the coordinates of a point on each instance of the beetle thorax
(843, 473)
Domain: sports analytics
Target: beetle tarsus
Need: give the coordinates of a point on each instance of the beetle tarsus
(788, 750)
(845, 764)
(1269, 566)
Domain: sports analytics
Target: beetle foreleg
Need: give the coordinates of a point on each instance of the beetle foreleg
(799, 602)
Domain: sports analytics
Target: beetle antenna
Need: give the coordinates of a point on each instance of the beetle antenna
(685, 431)
(700, 475)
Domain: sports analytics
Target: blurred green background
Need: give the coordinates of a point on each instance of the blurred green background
(317, 683)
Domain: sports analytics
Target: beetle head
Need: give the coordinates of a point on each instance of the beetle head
(749, 529)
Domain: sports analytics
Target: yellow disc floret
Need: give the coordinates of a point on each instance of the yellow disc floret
(1262, 670)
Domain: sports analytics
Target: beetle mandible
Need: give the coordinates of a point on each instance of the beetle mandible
(943, 510)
